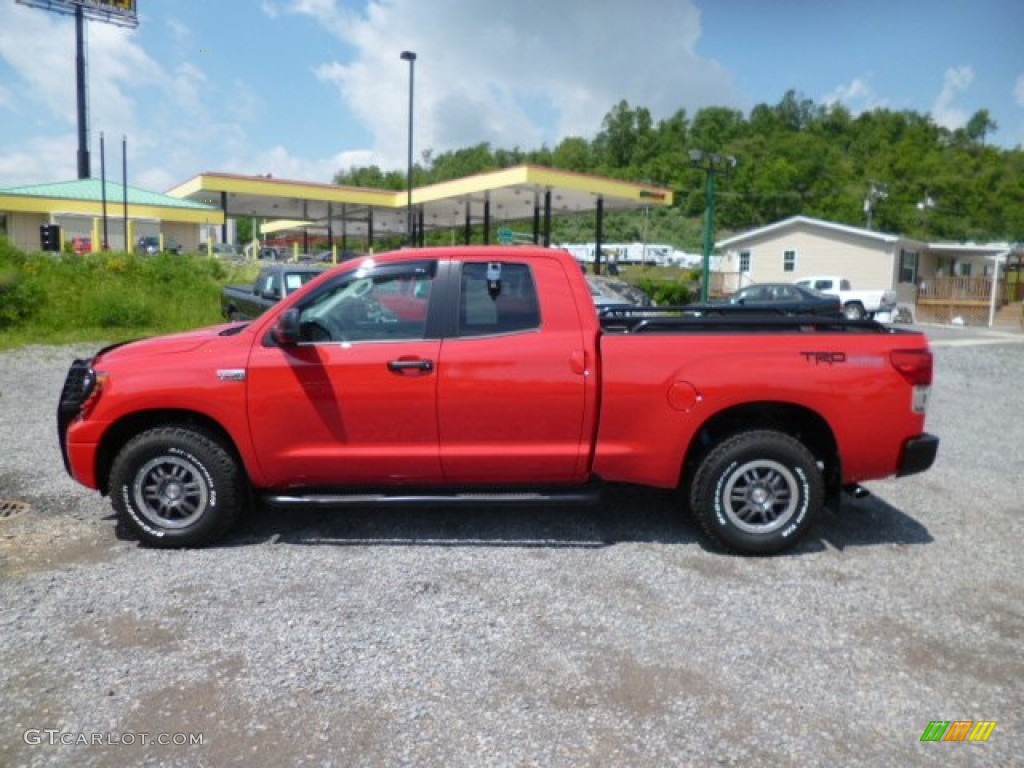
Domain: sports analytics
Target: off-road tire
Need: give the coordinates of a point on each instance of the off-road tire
(758, 493)
(176, 487)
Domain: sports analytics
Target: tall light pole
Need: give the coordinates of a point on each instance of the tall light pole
(877, 191)
(411, 58)
(712, 164)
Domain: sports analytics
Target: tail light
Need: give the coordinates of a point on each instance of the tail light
(914, 365)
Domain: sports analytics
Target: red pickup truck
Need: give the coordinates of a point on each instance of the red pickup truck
(462, 375)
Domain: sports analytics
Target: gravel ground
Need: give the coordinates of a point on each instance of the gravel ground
(555, 637)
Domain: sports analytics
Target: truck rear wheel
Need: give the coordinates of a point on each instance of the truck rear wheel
(176, 487)
(758, 492)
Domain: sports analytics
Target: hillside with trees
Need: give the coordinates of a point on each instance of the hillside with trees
(795, 157)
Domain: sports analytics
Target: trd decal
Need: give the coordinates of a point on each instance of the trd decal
(824, 358)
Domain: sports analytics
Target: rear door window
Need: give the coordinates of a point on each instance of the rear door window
(508, 305)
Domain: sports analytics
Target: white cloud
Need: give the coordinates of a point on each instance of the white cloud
(162, 111)
(517, 74)
(857, 96)
(118, 70)
(945, 111)
(35, 47)
(281, 163)
(327, 13)
(39, 160)
(513, 74)
(179, 31)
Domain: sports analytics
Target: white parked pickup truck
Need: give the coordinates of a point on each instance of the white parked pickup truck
(856, 304)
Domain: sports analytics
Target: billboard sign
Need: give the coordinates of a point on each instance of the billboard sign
(120, 12)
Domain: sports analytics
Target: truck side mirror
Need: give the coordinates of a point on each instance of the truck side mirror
(286, 330)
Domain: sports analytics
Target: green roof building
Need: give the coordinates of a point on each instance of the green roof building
(77, 208)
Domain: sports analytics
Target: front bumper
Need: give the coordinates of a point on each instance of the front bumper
(77, 388)
(918, 455)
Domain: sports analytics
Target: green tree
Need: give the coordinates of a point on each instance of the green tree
(371, 177)
(795, 157)
(980, 125)
(573, 154)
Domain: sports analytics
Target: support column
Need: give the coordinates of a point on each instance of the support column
(224, 210)
(487, 220)
(330, 228)
(369, 231)
(305, 229)
(468, 229)
(344, 229)
(599, 236)
(547, 218)
(536, 218)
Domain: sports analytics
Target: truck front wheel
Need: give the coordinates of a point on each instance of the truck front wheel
(854, 311)
(176, 487)
(758, 492)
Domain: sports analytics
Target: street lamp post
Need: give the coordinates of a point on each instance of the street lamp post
(878, 191)
(411, 58)
(712, 164)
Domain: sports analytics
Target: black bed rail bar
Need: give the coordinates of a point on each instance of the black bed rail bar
(732, 319)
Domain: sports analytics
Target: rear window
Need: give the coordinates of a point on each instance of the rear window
(295, 280)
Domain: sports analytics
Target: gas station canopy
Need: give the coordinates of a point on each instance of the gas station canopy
(520, 193)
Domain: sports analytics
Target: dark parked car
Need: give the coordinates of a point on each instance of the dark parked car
(274, 282)
(782, 298)
(150, 244)
(270, 253)
(220, 249)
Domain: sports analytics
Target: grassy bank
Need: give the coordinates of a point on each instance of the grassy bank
(64, 299)
(61, 299)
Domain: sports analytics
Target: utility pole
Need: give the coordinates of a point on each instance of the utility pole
(713, 165)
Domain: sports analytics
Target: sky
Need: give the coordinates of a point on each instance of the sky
(301, 89)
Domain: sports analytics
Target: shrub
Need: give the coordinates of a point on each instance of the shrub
(20, 298)
(665, 291)
(109, 309)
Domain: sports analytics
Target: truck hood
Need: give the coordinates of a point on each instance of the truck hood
(171, 344)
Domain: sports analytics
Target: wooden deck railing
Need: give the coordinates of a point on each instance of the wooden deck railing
(954, 289)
